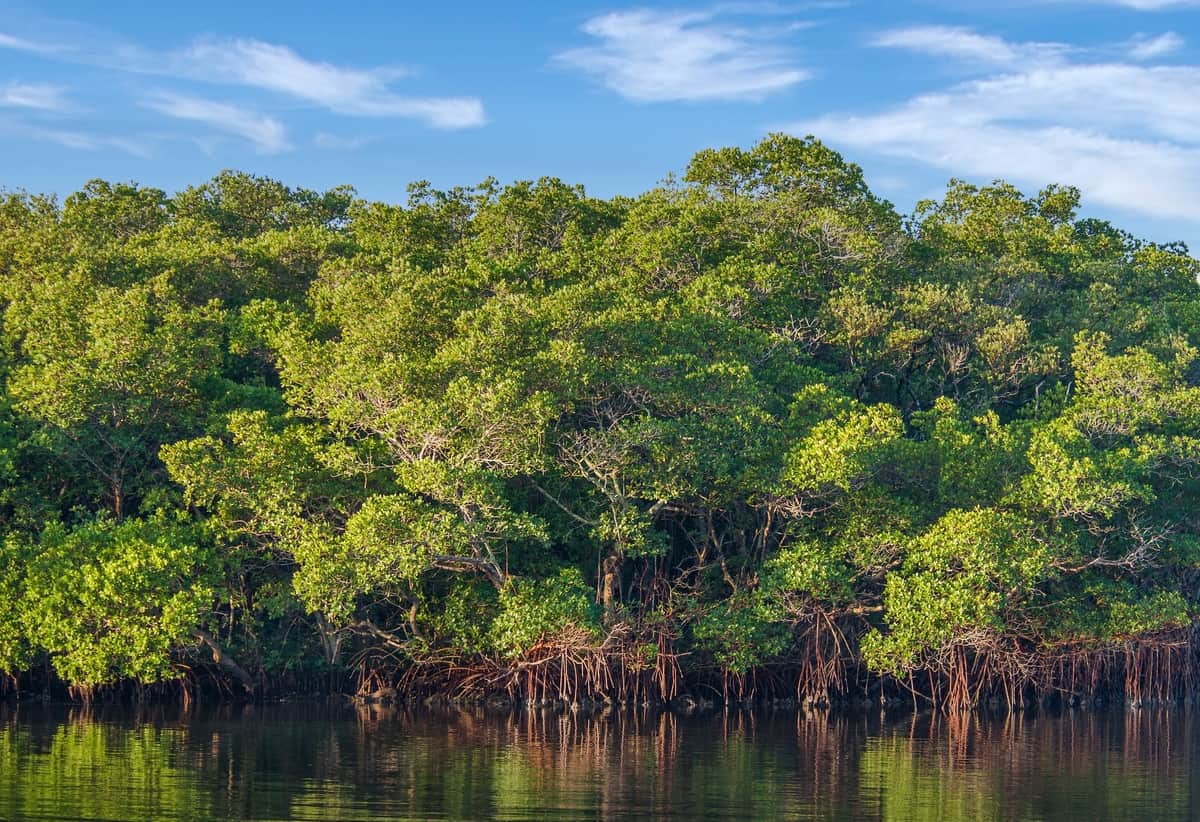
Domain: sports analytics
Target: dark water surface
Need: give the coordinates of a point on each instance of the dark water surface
(310, 762)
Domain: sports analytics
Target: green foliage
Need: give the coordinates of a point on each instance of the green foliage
(842, 447)
(16, 651)
(817, 569)
(462, 615)
(966, 576)
(111, 600)
(741, 633)
(493, 416)
(531, 611)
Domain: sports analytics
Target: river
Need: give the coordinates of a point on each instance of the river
(314, 761)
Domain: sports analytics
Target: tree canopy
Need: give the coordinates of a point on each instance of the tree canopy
(751, 426)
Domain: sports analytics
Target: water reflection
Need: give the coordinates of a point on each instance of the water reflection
(330, 762)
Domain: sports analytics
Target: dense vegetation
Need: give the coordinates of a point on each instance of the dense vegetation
(753, 431)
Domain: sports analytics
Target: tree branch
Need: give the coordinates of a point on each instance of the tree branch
(225, 662)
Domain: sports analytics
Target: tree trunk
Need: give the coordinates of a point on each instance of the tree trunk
(225, 662)
(610, 583)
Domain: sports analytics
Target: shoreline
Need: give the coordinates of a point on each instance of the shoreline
(694, 694)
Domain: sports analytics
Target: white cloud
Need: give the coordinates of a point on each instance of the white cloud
(658, 56)
(73, 139)
(1142, 47)
(334, 142)
(8, 41)
(264, 66)
(33, 95)
(966, 44)
(267, 133)
(342, 90)
(69, 139)
(1128, 135)
(90, 142)
(255, 63)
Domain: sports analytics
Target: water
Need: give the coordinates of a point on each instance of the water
(316, 762)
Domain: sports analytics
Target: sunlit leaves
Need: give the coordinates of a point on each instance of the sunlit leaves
(110, 601)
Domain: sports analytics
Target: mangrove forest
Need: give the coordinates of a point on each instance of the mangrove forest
(752, 434)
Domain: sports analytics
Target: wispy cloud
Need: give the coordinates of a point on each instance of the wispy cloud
(262, 66)
(266, 133)
(334, 142)
(8, 41)
(355, 92)
(657, 56)
(1142, 47)
(42, 96)
(1127, 134)
(91, 142)
(966, 44)
(73, 139)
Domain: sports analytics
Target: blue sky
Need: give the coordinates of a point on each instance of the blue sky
(1101, 94)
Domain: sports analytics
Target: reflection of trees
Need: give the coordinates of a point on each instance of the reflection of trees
(1094, 766)
(373, 762)
(79, 769)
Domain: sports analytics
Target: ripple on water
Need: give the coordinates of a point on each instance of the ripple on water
(320, 762)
